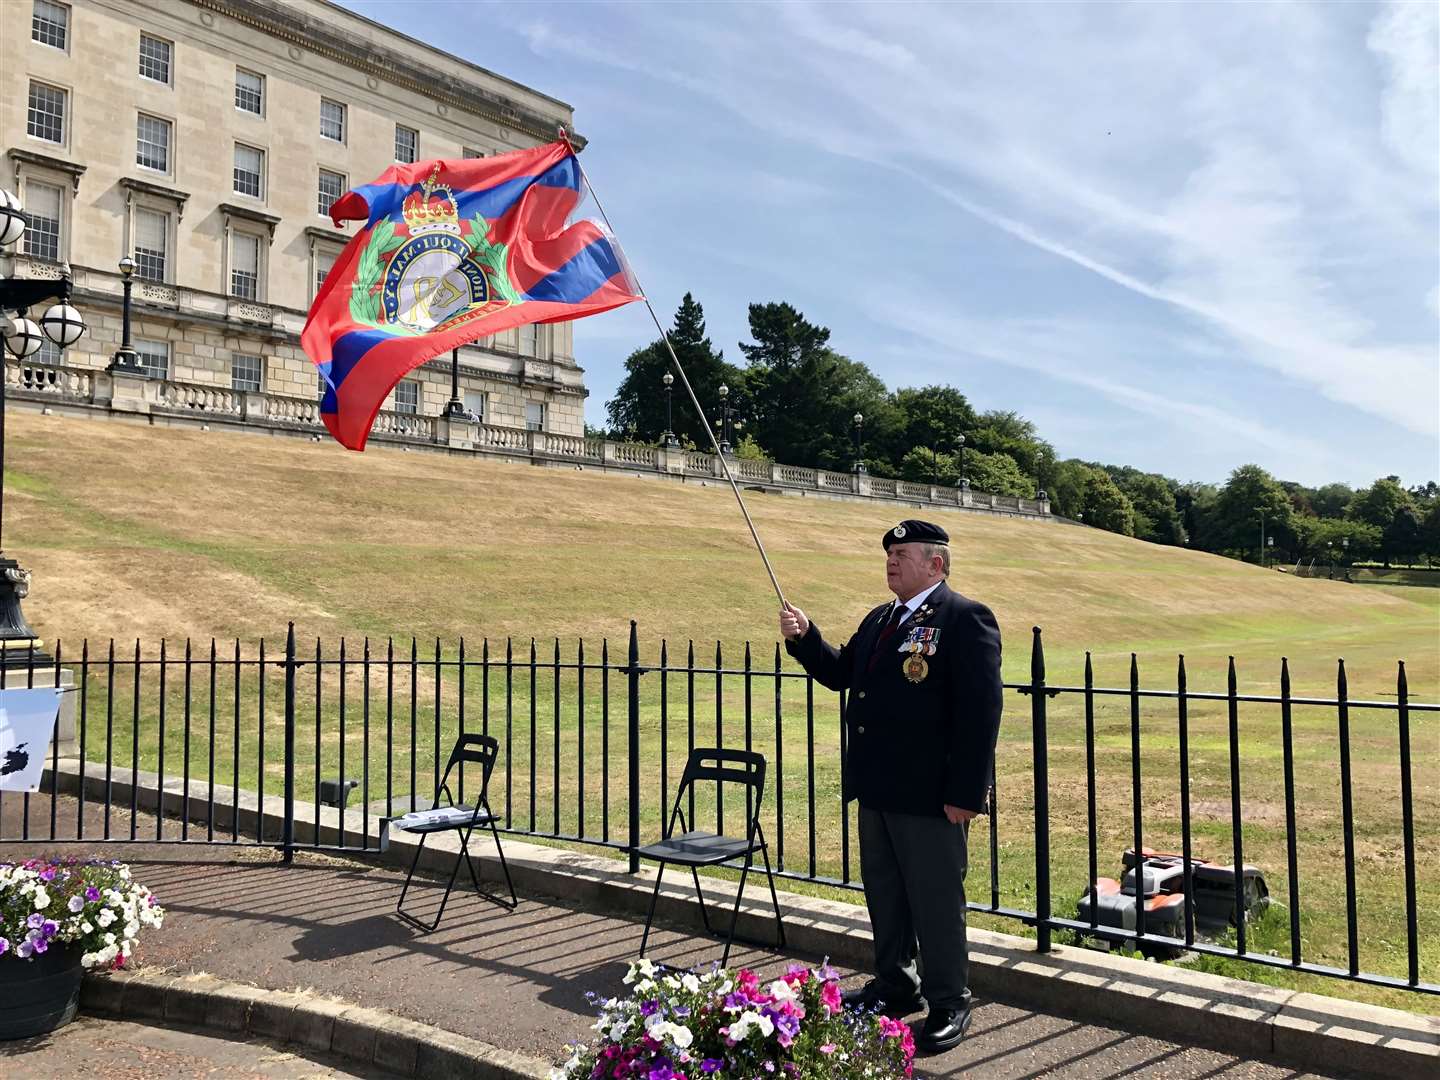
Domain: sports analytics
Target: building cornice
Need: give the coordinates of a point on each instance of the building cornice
(45, 161)
(252, 215)
(158, 191)
(334, 43)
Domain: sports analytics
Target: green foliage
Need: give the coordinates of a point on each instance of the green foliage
(1402, 538)
(925, 466)
(1106, 506)
(1330, 500)
(998, 474)
(1232, 523)
(1323, 539)
(747, 449)
(364, 294)
(1379, 503)
(639, 401)
(1157, 518)
(495, 258)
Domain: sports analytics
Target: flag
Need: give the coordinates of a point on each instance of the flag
(451, 252)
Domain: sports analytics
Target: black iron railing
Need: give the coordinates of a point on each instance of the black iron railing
(221, 745)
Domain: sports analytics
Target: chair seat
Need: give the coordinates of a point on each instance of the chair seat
(441, 819)
(697, 849)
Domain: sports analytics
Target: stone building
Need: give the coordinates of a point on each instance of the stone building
(206, 139)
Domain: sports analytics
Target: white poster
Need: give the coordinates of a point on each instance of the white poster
(27, 720)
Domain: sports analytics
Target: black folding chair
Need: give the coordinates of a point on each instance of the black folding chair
(694, 848)
(481, 749)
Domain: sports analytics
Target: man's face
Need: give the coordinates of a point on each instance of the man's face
(907, 570)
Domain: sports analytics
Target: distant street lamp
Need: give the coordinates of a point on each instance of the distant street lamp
(62, 324)
(1261, 511)
(1330, 557)
(1345, 555)
(960, 450)
(668, 438)
(724, 422)
(857, 427)
(455, 408)
(125, 358)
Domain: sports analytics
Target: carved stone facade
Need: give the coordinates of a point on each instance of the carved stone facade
(203, 138)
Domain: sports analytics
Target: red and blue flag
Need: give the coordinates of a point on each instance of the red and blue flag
(451, 252)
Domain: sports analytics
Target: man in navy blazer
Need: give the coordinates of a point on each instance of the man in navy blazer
(923, 673)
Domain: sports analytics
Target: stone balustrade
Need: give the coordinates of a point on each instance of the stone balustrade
(172, 401)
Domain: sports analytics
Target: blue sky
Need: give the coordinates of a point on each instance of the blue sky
(1181, 237)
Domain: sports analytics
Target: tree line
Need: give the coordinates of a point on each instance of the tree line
(796, 398)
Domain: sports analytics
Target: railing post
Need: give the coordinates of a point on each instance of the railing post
(632, 739)
(1040, 743)
(287, 835)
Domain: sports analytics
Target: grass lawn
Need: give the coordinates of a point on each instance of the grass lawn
(147, 533)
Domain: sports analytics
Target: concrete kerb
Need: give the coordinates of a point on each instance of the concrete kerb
(368, 1036)
(1162, 1000)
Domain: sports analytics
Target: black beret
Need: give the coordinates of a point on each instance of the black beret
(915, 532)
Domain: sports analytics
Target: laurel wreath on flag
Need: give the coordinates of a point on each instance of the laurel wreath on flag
(494, 258)
(364, 296)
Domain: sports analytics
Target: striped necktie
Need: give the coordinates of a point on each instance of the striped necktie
(896, 618)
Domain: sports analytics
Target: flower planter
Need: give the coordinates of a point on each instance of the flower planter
(39, 994)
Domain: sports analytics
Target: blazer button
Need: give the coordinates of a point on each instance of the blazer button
(860, 694)
(860, 730)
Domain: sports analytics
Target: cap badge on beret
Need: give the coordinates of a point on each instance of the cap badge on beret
(898, 532)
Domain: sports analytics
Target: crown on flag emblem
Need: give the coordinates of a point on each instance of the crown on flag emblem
(432, 209)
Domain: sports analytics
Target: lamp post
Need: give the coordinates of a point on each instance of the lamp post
(1345, 555)
(1261, 511)
(1330, 558)
(62, 324)
(668, 439)
(455, 408)
(724, 419)
(960, 449)
(125, 358)
(857, 429)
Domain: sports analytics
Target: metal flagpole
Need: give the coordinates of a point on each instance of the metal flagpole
(685, 381)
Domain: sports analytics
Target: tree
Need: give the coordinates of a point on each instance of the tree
(925, 466)
(1067, 488)
(1430, 534)
(1402, 537)
(804, 394)
(1331, 500)
(1001, 432)
(1106, 506)
(999, 474)
(1233, 524)
(1156, 517)
(1378, 504)
(1195, 504)
(1324, 540)
(931, 416)
(638, 407)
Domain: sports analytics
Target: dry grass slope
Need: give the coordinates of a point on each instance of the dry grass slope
(136, 531)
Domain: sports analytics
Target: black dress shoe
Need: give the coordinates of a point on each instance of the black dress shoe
(943, 1029)
(870, 997)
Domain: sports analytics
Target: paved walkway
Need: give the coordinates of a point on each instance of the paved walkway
(120, 1050)
(518, 980)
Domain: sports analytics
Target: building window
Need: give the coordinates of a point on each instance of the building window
(152, 143)
(42, 204)
(249, 92)
(246, 372)
(475, 404)
(152, 243)
(320, 384)
(154, 357)
(332, 186)
(332, 120)
(407, 143)
(155, 59)
(467, 153)
(407, 396)
(49, 23)
(529, 340)
(46, 118)
(249, 170)
(323, 263)
(534, 416)
(245, 266)
(49, 353)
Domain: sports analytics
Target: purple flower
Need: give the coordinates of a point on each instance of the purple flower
(76, 904)
(40, 945)
(35, 921)
(649, 1008)
(49, 927)
(92, 893)
(681, 1010)
(710, 1065)
(24, 949)
(4, 945)
(48, 874)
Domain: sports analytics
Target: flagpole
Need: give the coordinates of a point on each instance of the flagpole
(684, 379)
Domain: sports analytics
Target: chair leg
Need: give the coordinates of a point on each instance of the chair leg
(413, 864)
(735, 915)
(704, 913)
(650, 918)
(774, 899)
(509, 884)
